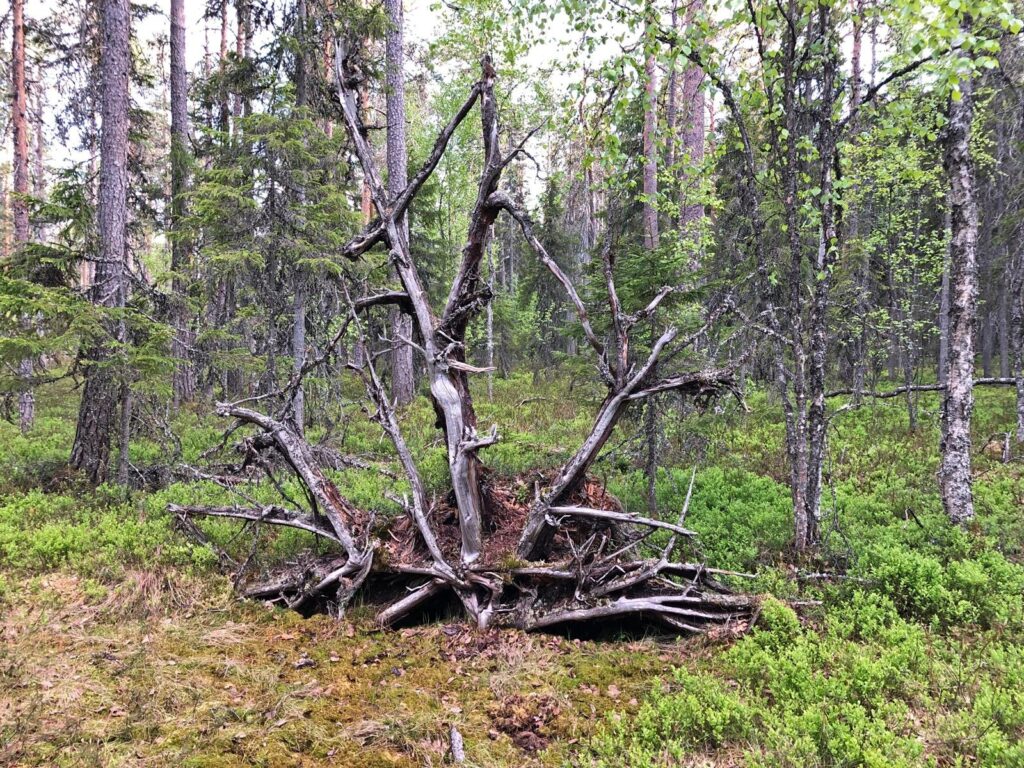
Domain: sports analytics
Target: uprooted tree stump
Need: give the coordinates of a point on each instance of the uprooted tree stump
(593, 570)
(571, 554)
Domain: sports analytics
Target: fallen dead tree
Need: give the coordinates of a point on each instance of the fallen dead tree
(570, 555)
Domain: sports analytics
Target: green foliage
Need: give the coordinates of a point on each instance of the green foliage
(983, 589)
(93, 535)
(855, 693)
(743, 519)
(694, 711)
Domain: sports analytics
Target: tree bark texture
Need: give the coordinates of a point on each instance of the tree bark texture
(403, 380)
(19, 124)
(98, 410)
(958, 404)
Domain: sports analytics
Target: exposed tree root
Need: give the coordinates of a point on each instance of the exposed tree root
(570, 555)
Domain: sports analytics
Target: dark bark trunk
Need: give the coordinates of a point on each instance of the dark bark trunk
(958, 405)
(97, 412)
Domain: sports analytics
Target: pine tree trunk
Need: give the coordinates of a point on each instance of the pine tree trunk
(692, 125)
(958, 404)
(19, 123)
(403, 382)
(97, 412)
(184, 375)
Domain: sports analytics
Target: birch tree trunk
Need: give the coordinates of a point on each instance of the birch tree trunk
(958, 404)
(97, 412)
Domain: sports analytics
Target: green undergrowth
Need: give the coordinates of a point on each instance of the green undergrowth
(915, 658)
(866, 687)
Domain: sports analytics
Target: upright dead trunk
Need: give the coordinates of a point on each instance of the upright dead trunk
(671, 99)
(184, 376)
(403, 383)
(19, 123)
(91, 449)
(958, 404)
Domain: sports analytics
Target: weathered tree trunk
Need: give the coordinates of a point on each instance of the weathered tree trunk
(19, 124)
(958, 404)
(184, 383)
(650, 229)
(403, 379)
(91, 449)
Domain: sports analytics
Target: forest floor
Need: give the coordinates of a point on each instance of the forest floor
(122, 645)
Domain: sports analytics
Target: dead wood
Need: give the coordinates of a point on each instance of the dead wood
(572, 554)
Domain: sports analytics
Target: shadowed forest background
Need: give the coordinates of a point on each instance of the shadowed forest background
(549, 383)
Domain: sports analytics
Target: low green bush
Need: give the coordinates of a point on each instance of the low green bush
(866, 688)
